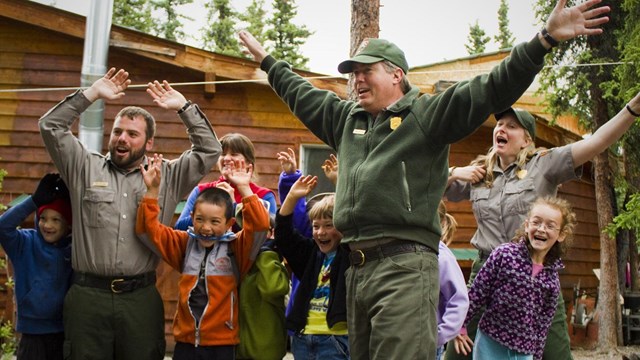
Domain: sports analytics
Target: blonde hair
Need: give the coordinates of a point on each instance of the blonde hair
(489, 160)
(448, 223)
(569, 222)
(323, 209)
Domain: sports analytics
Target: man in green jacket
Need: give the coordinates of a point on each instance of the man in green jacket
(393, 146)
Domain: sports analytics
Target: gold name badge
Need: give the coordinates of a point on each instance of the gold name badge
(100, 184)
(521, 174)
(395, 122)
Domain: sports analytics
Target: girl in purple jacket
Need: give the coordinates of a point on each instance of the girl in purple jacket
(519, 285)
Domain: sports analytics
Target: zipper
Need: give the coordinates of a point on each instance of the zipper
(405, 188)
(229, 323)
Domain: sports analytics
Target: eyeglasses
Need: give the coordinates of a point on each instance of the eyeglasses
(539, 224)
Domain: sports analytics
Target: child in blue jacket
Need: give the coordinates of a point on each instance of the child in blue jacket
(41, 258)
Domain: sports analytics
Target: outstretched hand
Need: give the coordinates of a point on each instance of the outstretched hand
(165, 96)
(252, 46)
(303, 186)
(567, 23)
(109, 87)
(240, 177)
(287, 161)
(152, 175)
(330, 168)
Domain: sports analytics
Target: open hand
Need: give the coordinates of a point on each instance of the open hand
(287, 161)
(567, 23)
(165, 96)
(238, 176)
(330, 167)
(252, 46)
(109, 87)
(303, 186)
(152, 175)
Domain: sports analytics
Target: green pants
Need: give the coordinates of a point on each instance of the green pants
(99, 324)
(391, 307)
(557, 346)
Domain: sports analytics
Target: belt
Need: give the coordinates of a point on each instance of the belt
(116, 285)
(360, 257)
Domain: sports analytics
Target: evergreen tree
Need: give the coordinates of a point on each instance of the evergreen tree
(477, 40)
(590, 93)
(134, 14)
(285, 35)
(255, 17)
(504, 38)
(170, 26)
(220, 33)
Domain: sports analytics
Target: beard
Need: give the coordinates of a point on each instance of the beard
(126, 162)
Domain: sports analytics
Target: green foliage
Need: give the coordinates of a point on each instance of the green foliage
(255, 16)
(628, 219)
(286, 36)
(135, 14)
(220, 33)
(477, 39)
(8, 341)
(170, 24)
(628, 84)
(504, 38)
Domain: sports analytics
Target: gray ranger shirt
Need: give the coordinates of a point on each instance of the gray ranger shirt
(105, 198)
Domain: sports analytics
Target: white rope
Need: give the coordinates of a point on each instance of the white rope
(308, 78)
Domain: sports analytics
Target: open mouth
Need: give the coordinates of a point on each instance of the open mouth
(121, 150)
(362, 91)
(324, 242)
(501, 140)
(538, 238)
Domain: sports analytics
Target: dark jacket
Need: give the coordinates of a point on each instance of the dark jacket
(305, 260)
(393, 177)
(42, 271)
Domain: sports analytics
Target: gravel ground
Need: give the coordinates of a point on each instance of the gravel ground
(617, 354)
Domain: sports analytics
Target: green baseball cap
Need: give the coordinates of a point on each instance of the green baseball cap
(373, 50)
(525, 119)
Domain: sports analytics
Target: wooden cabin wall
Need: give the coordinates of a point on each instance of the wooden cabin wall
(30, 57)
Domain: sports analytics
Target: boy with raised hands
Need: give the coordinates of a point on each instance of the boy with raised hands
(206, 320)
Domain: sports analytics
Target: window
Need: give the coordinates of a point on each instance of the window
(312, 157)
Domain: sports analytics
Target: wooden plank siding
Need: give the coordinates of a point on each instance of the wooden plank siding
(42, 46)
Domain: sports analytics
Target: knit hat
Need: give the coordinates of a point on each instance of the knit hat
(373, 50)
(60, 205)
(525, 119)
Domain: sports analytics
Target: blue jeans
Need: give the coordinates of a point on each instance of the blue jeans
(489, 349)
(320, 347)
(439, 352)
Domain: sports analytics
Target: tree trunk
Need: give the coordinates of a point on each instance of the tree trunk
(610, 322)
(365, 23)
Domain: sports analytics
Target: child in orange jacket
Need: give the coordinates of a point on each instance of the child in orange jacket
(206, 320)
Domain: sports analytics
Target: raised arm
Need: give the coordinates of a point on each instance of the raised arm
(584, 150)
(254, 48)
(300, 189)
